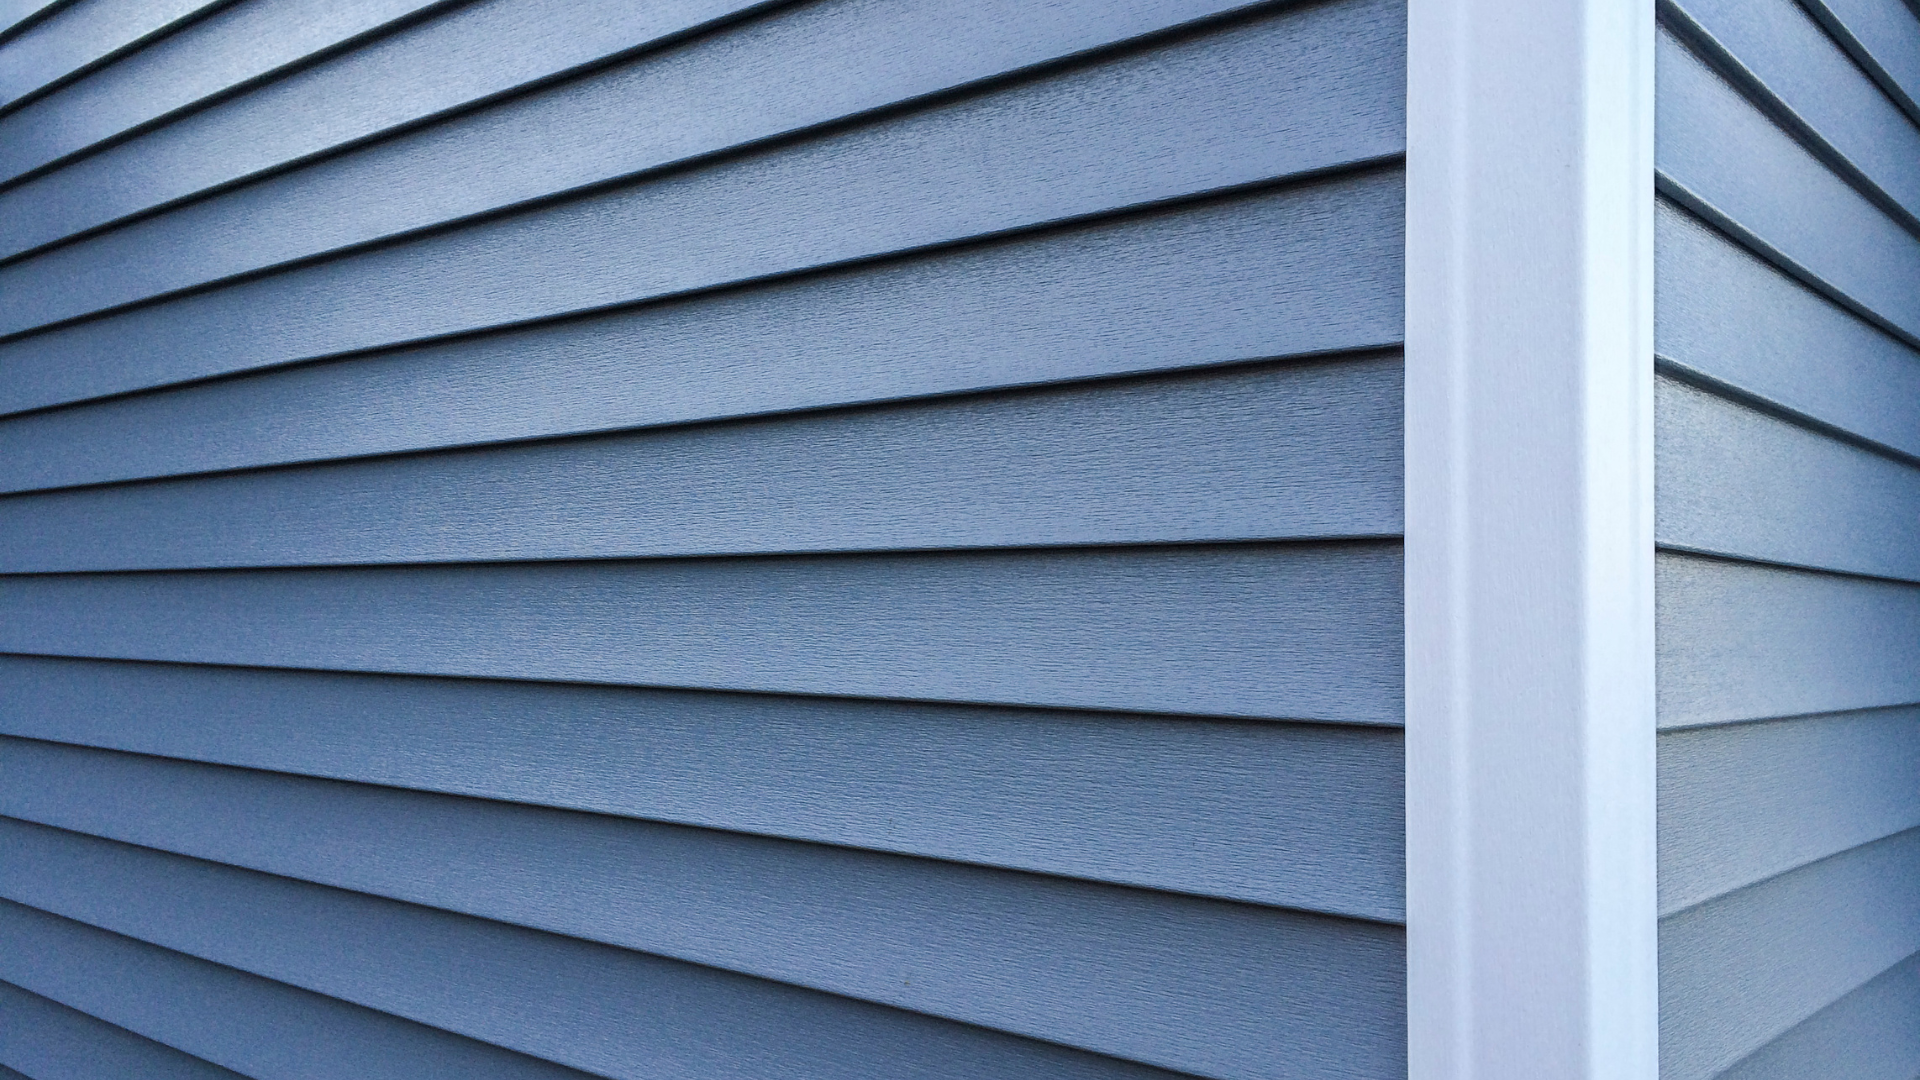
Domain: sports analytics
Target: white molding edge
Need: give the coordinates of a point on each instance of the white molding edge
(1531, 917)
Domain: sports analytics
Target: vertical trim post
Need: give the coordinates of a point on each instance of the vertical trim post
(1529, 470)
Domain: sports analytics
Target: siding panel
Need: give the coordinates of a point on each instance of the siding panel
(1726, 316)
(715, 538)
(80, 36)
(1719, 153)
(1740, 970)
(1086, 142)
(1302, 270)
(1288, 632)
(1300, 816)
(59, 1043)
(1871, 1029)
(1246, 455)
(993, 949)
(1194, 115)
(1732, 481)
(1742, 802)
(1882, 37)
(221, 1015)
(1739, 641)
(1822, 90)
(497, 49)
(233, 46)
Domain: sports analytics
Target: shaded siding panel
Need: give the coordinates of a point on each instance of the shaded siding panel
(1308, 632)
(214, 55)
(1788, 459)
(219, 1014)
(1871, 1029)
(1740, 803)
(509, 49)
(1831, 505)
(1741, 969)
(1742, 641)
(990, 951)
(1308, 269)
(55, 1041)
(1882, 38)
(1720, 154)
(1818, 89)
(1294, 451)
(1206, 112)
(1301, 816)
(1728, 318)
(1198, 116)
(79, 36)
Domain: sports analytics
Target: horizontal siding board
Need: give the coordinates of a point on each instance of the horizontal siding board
(1884, 37)
(1201, 115)
(54, 1042)
(1738, 641)
(254, 1026)
(1306, 269)
(1742, 802)
(1785, 49)
(79, 36)
(1733, 481)
(825, 60)
(1268, 453)
(1867, 1035)
(1307, 631)
(1739, 971)
(1339, 100)
(1724, 314)
(1220, 990)
(1722, 152)
(1303, 816)
(213, 55)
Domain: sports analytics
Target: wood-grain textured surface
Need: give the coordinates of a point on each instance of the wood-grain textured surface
(1788, 517)
(708, 538)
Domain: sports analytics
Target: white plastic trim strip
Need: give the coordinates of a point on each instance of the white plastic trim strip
(1530, 663)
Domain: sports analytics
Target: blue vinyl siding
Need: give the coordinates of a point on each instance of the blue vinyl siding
(1788, 460)
(701, 539)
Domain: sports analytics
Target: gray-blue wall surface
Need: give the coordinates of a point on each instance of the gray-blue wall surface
(707, 538)
(1788, 460)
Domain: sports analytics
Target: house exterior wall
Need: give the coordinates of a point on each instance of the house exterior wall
(702, 538)
(1788, 450)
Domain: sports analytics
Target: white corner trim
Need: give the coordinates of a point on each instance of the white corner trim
(1529, 544)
